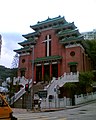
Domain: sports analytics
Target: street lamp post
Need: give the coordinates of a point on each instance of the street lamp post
(32, 90)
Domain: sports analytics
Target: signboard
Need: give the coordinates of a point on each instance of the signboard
(42, 94)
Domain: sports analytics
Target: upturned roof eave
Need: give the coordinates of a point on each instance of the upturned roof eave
(65, 25)
(48, 21)
(34, 34)
(24, 49)
(27, 43)
(74, 39)
(66, 32)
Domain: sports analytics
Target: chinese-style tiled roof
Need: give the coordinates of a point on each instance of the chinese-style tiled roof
(30, 41)
(68, 32)
(49, 58)
(71, 39)
(24, 49)
(66, 25)
(48, 23)
(34, 34)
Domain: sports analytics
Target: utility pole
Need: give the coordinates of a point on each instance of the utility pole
(32, 89)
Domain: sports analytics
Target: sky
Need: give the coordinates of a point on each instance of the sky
(16, 16)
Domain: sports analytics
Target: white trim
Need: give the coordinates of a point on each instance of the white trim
(38, 64)
(75, 45)
(46, 63)
(23, 54)
(54, 62)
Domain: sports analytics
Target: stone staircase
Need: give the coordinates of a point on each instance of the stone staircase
(22, 91)
(59, 82)
(39, 86)
(54, 84)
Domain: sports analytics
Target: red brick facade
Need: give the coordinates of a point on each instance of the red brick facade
(54, 58)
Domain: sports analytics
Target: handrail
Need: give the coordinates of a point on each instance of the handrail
(19, 93)
(66, 77)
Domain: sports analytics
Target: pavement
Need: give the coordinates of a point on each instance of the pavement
(20, 110)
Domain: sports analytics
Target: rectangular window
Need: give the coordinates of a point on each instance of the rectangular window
(73, 68)
(23, 73)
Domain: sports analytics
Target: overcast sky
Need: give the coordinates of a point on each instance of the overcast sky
(16, 16)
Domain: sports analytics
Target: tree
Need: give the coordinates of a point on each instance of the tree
(15, 61)
(91, 49)
(5, 72)
(85, 81)
(15, 65)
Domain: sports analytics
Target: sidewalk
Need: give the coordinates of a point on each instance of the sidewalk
(17, 110)
(20, 110)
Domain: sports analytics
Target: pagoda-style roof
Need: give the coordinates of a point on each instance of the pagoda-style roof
(50, 22)
(49, 58)
(23, 50)
(30, 41)
(32, 35)
(71, 39)
(68, 32)
(64, 26)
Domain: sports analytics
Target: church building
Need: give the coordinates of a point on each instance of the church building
(56, 46)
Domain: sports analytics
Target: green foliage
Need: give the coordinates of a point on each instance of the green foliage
(86, 78)
(83, 86)
(7, 72)
(70, 85)
(91, 49)
(85, 82)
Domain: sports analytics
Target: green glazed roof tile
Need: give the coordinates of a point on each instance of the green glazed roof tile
(47, 58)
(29, 41)
(70, 39)
(48, 21)
(72, 63)
(26, 48)
(68, 31)
(31, 35)
(65, 25)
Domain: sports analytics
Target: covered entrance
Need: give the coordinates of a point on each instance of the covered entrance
(46, 68)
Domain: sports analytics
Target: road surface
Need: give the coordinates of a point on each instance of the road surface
(85, 112)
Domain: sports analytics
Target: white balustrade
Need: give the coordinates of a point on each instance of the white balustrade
(20, 93)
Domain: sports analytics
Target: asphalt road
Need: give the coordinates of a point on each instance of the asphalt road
(85, 112)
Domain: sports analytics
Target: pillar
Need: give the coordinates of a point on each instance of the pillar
(35, 73)
(42, 71)
(58, 69)
(50, 71)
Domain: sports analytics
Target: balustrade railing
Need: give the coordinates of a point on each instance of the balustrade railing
(66, 77)
(19, 93)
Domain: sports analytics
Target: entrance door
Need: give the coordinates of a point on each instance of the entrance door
(55, 70)
(46, 73)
